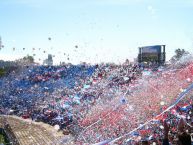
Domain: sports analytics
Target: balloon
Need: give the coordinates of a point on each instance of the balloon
(33, 48)
(44, 51)
(161, 126)
(123, 100)
(13, 48)
(162, 103)
(131, 108)
(49, 38)
(56, 127)
(188, 79)
(76, 46)
(23, 48)
(181, 90)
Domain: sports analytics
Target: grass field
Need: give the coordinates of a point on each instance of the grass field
(2, 139)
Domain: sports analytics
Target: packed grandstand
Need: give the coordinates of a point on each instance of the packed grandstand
(97, 104)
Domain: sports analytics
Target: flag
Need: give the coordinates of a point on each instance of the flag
(184, 107)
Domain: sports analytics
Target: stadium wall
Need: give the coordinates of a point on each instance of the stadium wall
(7, 132)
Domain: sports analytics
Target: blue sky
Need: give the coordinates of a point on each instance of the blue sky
(103, 30)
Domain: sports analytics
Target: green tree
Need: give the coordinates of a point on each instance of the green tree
(29, 59)
(2, 72)
(179, 53)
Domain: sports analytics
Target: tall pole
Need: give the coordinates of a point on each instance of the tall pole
(164, 53)
(140, 55)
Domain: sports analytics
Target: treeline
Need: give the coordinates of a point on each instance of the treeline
(6, 70)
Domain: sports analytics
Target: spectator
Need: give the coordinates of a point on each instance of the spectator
(183, 137)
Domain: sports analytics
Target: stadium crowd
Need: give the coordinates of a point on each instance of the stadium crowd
(148, 100)
(124, 104)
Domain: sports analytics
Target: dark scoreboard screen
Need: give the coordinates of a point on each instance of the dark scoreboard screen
(151, 49)
(154, 54)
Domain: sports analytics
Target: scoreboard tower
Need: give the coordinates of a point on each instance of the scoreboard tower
(154, 54)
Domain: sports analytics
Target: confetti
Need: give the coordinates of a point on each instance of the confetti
(98, 103)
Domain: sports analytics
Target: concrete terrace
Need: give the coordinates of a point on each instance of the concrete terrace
(34, 133)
